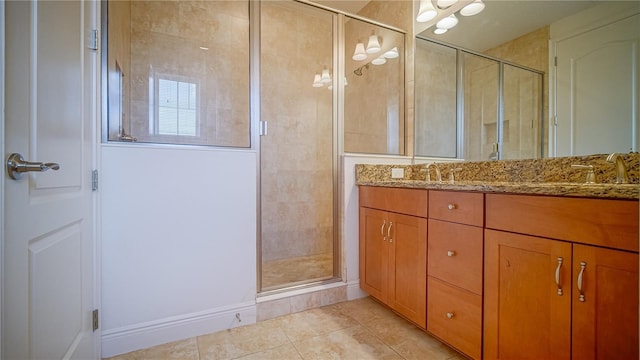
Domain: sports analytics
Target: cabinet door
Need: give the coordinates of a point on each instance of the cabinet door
(374, 252)
(408, 267)
(605, 318)
(526, 317)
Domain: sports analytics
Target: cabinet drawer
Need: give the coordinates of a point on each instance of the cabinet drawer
(455, 206)
(604, 222)
(404, 201)
(455, 316)
(455, 254)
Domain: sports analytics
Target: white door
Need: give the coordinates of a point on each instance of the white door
(597, 90)
(51, 111)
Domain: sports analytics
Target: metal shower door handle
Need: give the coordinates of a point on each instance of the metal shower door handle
(16, 166)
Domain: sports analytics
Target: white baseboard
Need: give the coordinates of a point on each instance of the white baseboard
(354, 291)
(144, 335)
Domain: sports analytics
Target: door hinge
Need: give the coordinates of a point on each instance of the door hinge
(94, 180)
(93, 39)
(95, 319)
(555, 61)
(263, 128)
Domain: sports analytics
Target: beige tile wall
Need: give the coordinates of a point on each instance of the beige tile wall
(297, 153)
(166, 37)
(531, 50)
(376, 103)
(435, 71)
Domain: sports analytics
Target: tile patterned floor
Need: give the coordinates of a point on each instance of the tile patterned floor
(359, 329)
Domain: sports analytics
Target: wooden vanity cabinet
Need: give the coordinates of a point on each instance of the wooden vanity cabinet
(454, 269)
(541, 254)
(605, 324)
(393, 249)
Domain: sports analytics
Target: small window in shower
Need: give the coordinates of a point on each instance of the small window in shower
(176, 108)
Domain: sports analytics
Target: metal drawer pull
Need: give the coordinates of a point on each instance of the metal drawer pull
(450, 315)
(384, 222)
(558, 276)
(389, 231)
(451, 253)
(583, 265)
(452, 206)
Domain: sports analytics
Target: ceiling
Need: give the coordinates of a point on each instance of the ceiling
(501, 20)
(504, 20)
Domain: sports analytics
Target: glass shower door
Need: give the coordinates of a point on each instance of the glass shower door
(297, 156)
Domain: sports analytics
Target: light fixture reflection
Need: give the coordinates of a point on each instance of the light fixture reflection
(316, 81)
(325, 78)
(359, 54)
(374, 45)
(448, 22)
(426, 12)
(472, 9)
(379, 60)
(439, 31)
(392, 54)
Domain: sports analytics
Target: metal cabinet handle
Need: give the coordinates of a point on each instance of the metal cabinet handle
(452, 206)
(389, 231)
(583, 265)
(451, 253)
(384, 238)
(558, 276)
(16, 166)
(450, 315)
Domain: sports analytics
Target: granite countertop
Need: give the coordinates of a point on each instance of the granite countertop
(553, 177)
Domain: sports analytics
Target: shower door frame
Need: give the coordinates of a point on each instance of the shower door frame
(259, 129)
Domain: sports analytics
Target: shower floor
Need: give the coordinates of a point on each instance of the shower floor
(276, 273)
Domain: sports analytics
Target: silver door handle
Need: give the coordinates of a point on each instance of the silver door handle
(16, 166)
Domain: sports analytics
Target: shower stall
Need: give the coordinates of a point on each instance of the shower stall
(298, 155)
(272, 77)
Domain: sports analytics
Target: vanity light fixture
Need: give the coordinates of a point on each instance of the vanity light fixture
(443, 24)
(316, 81)
(373, 46)
(392, 54)
(359, 54)
(448, 22)
(472, 9)
(427, 11)
(381, 60)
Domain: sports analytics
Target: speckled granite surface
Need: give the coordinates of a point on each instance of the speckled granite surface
(551, 176)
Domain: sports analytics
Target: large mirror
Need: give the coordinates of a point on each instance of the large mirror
(587, 53)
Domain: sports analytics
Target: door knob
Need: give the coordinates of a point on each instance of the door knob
(16, 166)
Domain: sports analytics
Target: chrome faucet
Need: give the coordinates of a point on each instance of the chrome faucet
(438, 176)
(621, 169)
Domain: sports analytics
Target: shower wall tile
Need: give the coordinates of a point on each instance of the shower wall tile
(166, 40)
(297, 152)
